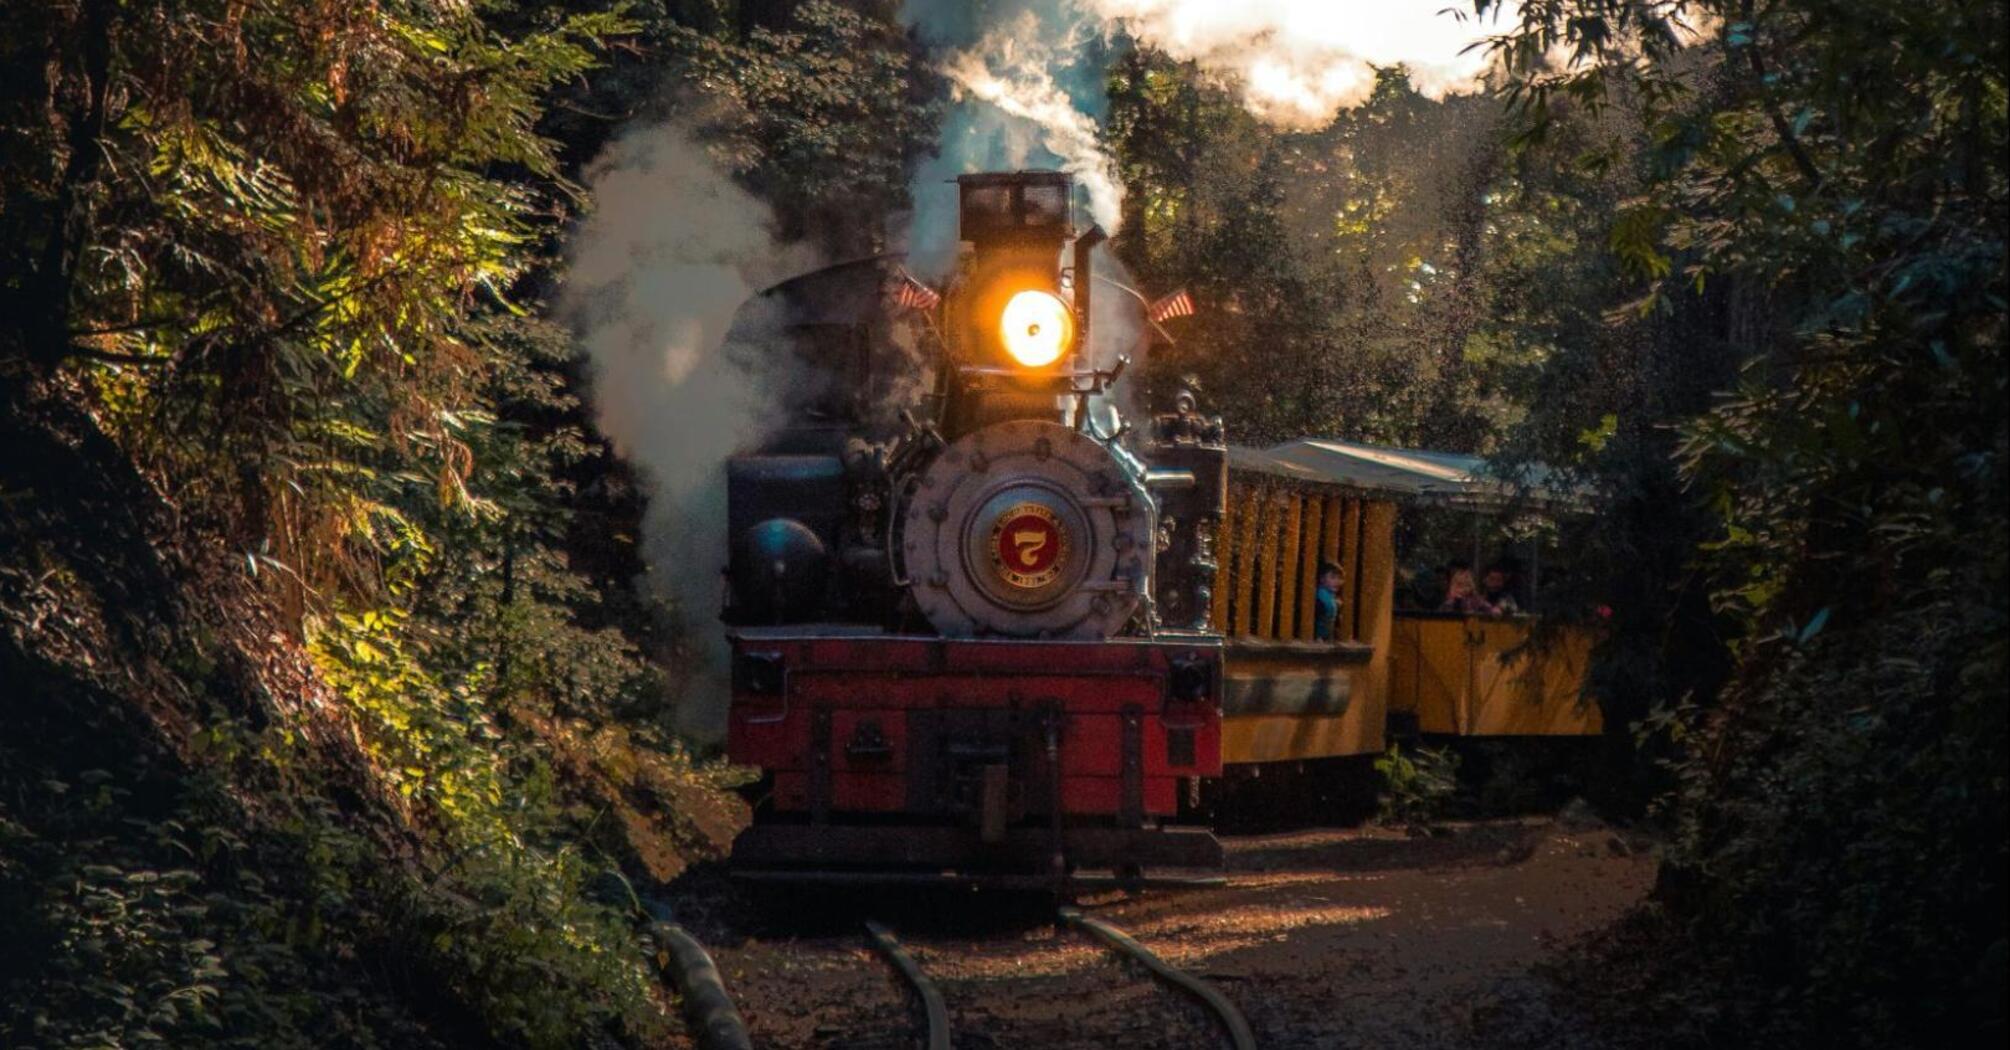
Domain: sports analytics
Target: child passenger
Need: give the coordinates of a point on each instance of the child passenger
(1326, 602)
(1462, 596)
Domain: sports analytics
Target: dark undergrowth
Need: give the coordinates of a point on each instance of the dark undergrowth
(199, 845)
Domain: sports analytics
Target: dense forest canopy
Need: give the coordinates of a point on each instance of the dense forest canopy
(331, 709)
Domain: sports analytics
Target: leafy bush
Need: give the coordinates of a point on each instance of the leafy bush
(1841, 839)
(1417, 788)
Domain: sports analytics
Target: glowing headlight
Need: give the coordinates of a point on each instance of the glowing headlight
(1037, 327)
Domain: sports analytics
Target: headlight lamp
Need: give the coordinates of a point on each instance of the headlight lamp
(1038, 328)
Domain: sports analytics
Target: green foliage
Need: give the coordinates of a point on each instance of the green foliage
(1841, 842)
(265, 223)
(1417, 788)
(1832, 260)
(166, 920)
(823, 114)
(145, 912)
(1400, 263)
(276, 249)
(287, 255)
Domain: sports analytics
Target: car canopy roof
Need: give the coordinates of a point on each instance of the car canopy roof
(1447, 478)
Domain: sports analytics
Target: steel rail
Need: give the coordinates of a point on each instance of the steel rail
(931, 999)
(1237, 1026)
(708, 1011)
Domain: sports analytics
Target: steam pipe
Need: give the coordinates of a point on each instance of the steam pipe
(1083, 245)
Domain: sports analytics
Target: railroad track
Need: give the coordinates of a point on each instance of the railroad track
(935, 1009)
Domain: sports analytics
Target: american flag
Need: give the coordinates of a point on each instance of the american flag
(913, 295)
(1178, 304)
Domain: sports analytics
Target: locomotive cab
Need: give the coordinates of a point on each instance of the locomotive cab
(968, 626)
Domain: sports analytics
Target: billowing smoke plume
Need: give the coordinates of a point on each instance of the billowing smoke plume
(1026, 83)
(1298, 62)
(1011, 69)
(658, 271)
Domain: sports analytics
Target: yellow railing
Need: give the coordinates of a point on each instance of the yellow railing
(1271, 545)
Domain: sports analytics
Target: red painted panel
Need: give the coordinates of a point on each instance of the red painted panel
(1081, 796)
(792, 792)
(1090, 794)
(1094, 745)
(850, 792)
(906, 654)
(1030, 687)
(1090, 743)
(881, 678)
(868, 792)
(753, 738)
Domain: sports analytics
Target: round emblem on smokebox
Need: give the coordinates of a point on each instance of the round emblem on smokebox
(1028, 545)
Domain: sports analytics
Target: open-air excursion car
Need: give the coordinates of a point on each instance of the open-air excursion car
(1395, 666)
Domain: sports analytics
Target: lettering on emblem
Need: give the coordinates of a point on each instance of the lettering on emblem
(1029, 546)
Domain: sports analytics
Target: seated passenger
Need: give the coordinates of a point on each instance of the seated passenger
(1461, 596)
(1497, 589)
(1326, 602)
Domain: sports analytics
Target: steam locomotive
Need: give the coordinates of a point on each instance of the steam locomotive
(968, 602)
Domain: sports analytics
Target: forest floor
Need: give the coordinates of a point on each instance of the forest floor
(1363, 937)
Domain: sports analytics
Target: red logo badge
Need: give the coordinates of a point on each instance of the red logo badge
(1028, 545)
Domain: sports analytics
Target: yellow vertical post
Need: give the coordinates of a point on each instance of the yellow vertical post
(1289, 581)
(1247, 513)
(1224, 565)
(1308, 567)
(1329, 543)
(1375, 594)
(1349, 627)
(1266, 569)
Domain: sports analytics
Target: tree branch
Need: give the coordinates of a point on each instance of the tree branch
(300, 317)
(80, 168)
(135, 326)
(111, 358)
(1795, 149)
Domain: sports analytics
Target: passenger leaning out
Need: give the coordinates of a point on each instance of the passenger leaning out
(1463, 596)
(1326, 602)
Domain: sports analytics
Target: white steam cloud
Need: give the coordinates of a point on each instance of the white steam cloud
(1027, 93)
(1299, 62)
(1012, 69)
(658, 271)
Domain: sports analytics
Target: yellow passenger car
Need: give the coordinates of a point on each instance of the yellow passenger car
(1291, 697)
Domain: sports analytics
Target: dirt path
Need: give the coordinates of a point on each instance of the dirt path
(1354, 938)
